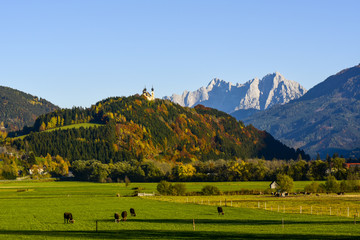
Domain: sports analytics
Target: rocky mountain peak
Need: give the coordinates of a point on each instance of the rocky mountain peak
(256, 94)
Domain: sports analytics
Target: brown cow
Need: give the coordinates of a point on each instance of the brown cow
(117, 217)
(220, 210)
(132, 211)
(124, 215)
(68, 218)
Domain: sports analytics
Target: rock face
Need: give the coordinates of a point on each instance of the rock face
(256, 94)
(325, 120)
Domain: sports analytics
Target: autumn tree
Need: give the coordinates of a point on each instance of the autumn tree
(285, 183)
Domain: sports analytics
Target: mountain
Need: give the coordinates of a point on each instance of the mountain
(252, 96)
(19, 109)
(325, 120)
(135, 128)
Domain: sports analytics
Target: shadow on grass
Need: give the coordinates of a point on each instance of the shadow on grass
(240, 221)
(162, 234)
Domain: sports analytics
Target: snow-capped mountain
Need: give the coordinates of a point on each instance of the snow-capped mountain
(255, 94)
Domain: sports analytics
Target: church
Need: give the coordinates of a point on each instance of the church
(149, 96)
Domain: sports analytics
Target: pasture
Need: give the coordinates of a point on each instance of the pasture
(34, 210)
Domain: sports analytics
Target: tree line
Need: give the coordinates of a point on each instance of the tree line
(213, 170)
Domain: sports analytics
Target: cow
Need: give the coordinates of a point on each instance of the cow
(124, 215)
(220, 210)
(132, 211)
(117, 217)
(68, 218)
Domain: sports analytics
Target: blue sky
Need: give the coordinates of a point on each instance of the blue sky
(75, 53)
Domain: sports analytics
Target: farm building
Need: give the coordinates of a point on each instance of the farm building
(273, 185)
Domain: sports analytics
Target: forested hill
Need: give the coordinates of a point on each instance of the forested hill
(135, 128)
(18, 109)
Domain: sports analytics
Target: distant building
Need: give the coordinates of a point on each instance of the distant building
(349, 165)
(149, 96)
(274, 185)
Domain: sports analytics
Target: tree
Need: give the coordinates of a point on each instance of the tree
(127, 181)
(312, 188)
(164, 188)
(331, 184)
(178, 189)
(210, 190)
(338, 167)
(285, 183)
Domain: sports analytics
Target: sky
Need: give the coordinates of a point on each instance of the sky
(76, 53)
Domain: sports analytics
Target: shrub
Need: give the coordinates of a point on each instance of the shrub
(312, 187)
(332, 185)
(166, 188)
(210, 190)
(179, 189)
(269, 191)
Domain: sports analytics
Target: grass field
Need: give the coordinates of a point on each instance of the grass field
(34, 210)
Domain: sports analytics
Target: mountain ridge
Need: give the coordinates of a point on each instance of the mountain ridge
(259, 94)
(325, 120)
(19, 109)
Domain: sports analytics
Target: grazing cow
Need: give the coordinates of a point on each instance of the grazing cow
(68, 218)
(220, 210)
(124, 215)
(132, 211)
(117, 217)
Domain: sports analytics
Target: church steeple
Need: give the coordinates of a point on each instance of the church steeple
(149, 96)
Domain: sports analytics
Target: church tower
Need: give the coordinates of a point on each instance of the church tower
(150, 97)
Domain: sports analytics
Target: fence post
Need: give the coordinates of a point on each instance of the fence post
(265, 205)
(348, 212)
(258, 204)
(194, 224)
(220, 202)
(300, 209)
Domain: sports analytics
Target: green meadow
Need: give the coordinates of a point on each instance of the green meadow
(34, 210)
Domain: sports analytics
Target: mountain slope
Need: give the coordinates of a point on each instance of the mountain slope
(255, 94)
(135, 128)
(19, 109)
(325, 120)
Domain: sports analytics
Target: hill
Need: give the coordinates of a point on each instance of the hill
(242, 100)
(136, 128)
(325, 120)
(19, 109)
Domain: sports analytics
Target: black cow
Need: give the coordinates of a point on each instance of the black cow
(117, 217)
(124, 215)
(132, 211)
(68, 218)
(220, 210)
